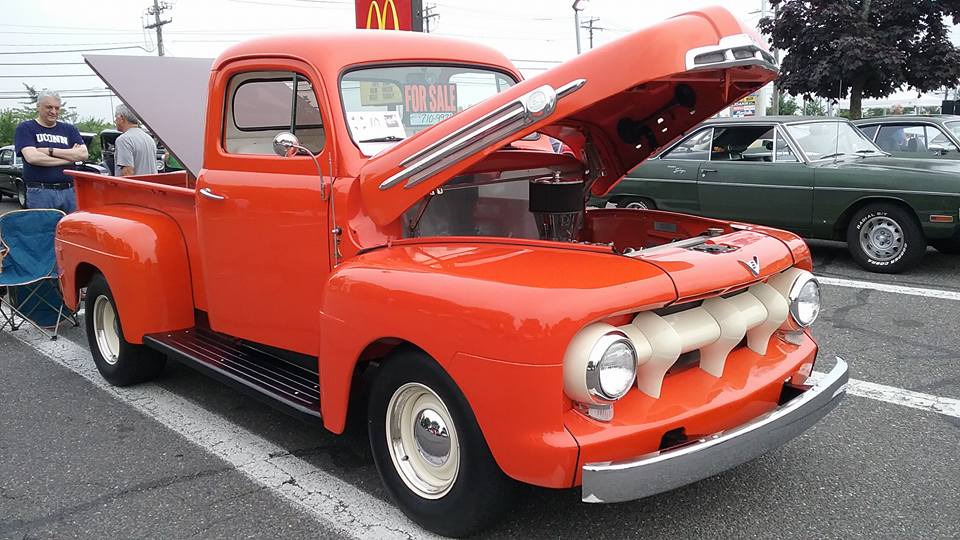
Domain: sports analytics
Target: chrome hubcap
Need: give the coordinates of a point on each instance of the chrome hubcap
(106, 330)
(881, 238)
(422, 441)
(636, 205)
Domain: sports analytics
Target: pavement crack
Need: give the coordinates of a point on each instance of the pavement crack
(104, 500)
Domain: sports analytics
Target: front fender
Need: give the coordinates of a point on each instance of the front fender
(141, 253)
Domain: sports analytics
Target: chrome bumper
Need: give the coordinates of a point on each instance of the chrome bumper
(617, 481)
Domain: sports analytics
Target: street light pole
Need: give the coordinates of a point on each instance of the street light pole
(576, 21)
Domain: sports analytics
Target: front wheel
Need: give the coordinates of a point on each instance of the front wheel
(121, 363)
(636, 203)
(429, 450)
(885, 238)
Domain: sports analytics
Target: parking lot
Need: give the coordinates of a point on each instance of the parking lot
(188, 457)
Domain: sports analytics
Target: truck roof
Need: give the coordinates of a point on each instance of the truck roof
(339, 51)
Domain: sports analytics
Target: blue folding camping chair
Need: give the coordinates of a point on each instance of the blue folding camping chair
(28, 271)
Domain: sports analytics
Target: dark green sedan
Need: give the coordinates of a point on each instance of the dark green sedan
(818, 177)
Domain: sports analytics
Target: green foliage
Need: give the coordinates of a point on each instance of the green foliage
(864, 47)
(874, 112)
(788, 105)
(94, 125)
(814, 107)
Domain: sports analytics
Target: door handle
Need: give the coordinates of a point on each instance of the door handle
(208, 193)
(703, 172)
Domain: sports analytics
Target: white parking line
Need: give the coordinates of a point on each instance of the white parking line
(886, 287)
(330, 500)
(900, 396)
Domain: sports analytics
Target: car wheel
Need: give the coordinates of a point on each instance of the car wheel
(636, 203)
(429, 450)
(121, 363)
(885, 238)
(21, 194)
(948, 247)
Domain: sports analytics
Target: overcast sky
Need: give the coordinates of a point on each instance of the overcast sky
(535, 34)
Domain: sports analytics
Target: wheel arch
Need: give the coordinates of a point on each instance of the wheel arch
(843, 221)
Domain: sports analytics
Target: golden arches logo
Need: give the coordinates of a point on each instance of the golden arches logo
(388, 8)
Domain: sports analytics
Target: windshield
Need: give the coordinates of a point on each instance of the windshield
(821, 140)
(385, 105)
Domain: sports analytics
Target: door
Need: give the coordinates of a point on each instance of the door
(755, 175)
(6, 172)
(262, 220)
(670, 181)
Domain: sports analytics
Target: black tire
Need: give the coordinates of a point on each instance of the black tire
(638, 203)
(21, 194)
(129, 363)
(885, 238)
(947, 247)
(480, 492)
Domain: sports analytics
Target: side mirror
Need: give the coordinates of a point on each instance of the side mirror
(286, 144)
(937, 150)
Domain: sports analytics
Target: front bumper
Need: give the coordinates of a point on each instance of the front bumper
(617, 481)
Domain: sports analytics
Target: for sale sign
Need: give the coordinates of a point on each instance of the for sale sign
(427, 104)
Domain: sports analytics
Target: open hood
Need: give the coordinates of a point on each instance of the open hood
(614, 105)
(134, 79)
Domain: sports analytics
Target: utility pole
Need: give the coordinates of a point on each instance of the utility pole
(427, 15)
(155, 10)
(588, 24)
(576, 21)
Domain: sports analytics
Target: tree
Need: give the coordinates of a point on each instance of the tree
(788, 105)
(864, 47)
(94, 125)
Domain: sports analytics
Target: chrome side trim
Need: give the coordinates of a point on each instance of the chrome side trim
(878, 190)
(504, 121)
(657, 472)
(667, 180)
(775, 186)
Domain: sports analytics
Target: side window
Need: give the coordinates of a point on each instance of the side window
(784, 153)
(902, 138)
(869, 131)
(937, 141)
(695, 148)
(742, 143)
(6, 157)
(263, 103)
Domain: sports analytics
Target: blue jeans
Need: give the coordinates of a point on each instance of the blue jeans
(60, 199)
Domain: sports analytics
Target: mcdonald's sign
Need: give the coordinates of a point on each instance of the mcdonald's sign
(389, 14)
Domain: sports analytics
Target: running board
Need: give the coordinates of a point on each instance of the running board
(282, 384)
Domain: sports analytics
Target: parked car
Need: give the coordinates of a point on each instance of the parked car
(366, 236)
(11, 171)
(11, 174)
(818, 177)
(923, 136)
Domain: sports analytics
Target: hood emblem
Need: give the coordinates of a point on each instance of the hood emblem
(753, 265)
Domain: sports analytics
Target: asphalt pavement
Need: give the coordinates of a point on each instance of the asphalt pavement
(188, 457)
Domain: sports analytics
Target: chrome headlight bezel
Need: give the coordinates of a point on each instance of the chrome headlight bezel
(595, 366)
(796, 289)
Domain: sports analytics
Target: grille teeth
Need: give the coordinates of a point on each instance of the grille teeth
(714, 328)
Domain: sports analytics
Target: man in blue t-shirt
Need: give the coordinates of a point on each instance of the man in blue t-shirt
(48, 147)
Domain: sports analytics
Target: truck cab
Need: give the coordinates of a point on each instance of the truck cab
(380, 222)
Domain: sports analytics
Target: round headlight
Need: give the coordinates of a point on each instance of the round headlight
(805, 300)
(612, 367)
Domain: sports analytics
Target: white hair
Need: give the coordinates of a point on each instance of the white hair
(125, 112)
(48, 93)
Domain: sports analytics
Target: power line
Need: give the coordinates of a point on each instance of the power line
(44, 76)
(43, 63)
(67, 44)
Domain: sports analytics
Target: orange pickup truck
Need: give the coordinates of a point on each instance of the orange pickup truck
(377, 224)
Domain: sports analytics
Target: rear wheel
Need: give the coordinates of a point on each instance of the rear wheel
(21, 194)
(885, 238)
(429, 450)
(121, 363)
(948, 247)
(636, 203)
